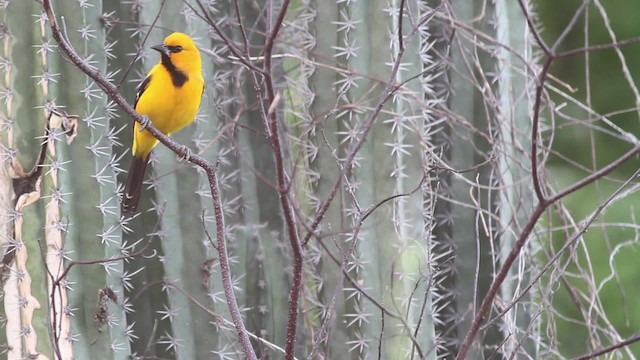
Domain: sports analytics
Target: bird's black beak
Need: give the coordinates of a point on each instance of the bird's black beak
(162, 48)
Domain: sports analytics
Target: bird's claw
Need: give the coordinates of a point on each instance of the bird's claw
(187, 154)
(144, 122)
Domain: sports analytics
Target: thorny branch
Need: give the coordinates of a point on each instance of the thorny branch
(180, 150)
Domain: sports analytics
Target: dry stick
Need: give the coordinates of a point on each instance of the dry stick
(144, 41)
(271, 127)
(421, 317)
(500, 277)
(543, 202)
(525, 336)
(534, 129)
(225, 268)
(400, 38)
(381, 335)
(232, 47)
(346, 253)
(611, 348)
(358, 287)
(283, 186)
(534, 29)
(571, 24)
(467, 342)
(504, 341)
(177, 148)
(321, 336)
(219, 317)
(598, 47)
(151, 339)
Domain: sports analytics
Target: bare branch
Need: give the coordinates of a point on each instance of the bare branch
(608, 349)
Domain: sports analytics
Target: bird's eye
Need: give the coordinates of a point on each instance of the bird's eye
(175, 49)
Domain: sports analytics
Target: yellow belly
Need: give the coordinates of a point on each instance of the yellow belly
(169, 108)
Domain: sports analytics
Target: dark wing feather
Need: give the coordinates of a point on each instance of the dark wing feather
(141, 89)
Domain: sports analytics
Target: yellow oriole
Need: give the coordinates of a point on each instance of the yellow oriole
(169, 96)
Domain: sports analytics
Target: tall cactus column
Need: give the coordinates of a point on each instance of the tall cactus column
(25, 143)
(390, 258)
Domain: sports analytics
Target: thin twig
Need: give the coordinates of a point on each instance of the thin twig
(535, 129)
(570, 25)
(232, 47)
(144, 41)
(608, 349)
(271, 120)
(534, 29)
(613, 45)
(400, 37)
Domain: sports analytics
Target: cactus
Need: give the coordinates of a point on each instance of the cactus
(393, 240)
(379, 275)
(515, 107)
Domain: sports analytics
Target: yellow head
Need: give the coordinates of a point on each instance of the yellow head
(182, 52)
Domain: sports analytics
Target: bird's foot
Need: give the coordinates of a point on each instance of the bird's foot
(187, 154)
(144, 122)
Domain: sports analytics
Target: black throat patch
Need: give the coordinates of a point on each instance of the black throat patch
(178, 78)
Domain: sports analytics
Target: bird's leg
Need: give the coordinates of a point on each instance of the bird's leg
(187, 154)
(144, 122)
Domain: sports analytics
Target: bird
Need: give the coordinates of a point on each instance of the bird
(169, 97)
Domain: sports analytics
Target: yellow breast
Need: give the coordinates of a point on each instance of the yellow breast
(169, 108)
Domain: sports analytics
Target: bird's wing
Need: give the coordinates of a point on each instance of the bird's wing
(141, 89)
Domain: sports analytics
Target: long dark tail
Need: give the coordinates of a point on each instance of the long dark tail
(133, 185)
